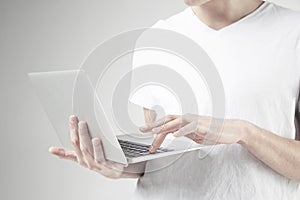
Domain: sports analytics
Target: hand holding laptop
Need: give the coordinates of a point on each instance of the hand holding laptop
(89, 153)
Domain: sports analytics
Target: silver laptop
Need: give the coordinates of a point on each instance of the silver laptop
(59, 99)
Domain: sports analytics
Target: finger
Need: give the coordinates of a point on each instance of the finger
(98, 151)
(89, 160)
(62, 153)
(58, 151)
(171, 126)
(84, 138)
(71, 155)
(158, 140)
(198, 139)
(73, 123)
(157, 123)
(187, 129)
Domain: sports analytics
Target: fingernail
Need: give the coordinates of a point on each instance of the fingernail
(71, 118)
(151, 149)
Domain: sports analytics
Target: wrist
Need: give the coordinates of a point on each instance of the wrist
(247, 133)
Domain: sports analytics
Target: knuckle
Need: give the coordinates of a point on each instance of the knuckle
(84, 150)
(75, 142)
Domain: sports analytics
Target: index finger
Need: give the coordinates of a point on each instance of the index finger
(158, 140)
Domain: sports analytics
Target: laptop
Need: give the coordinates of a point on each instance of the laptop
(63, 93)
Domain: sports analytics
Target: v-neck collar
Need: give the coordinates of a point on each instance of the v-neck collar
(211, 30)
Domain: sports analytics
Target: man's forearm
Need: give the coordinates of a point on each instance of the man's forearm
(281, 154)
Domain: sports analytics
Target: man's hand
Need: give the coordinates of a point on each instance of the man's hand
(89, 152)
(198, 128)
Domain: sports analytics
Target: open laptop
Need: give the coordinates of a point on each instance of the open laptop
(57, 93)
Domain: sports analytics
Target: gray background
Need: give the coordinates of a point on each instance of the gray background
(40, 35)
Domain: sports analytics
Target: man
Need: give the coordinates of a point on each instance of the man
(257, 56)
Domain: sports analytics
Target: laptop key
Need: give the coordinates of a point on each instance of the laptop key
(133, 149)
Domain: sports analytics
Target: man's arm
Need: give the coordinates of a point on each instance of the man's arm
(281, 154)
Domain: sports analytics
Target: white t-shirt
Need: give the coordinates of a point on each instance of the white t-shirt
(258, 59)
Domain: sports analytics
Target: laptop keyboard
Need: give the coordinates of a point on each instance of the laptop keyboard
(133, 149)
